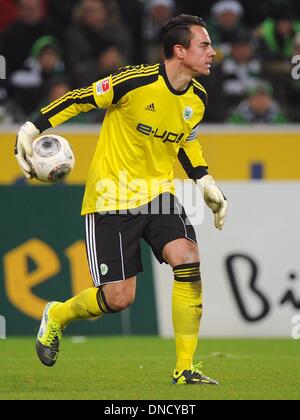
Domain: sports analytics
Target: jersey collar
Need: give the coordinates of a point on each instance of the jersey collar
(163, 73)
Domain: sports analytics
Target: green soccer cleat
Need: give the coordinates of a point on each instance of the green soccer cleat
(48, 338)
(192, 376)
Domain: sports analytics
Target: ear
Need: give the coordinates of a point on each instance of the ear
(179, 51)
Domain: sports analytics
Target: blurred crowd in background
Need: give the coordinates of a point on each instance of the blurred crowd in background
(52, 46)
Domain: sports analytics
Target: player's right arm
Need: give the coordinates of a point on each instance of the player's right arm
(101, 94)
(98, 95)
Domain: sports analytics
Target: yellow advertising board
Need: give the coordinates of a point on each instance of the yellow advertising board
(231, 152)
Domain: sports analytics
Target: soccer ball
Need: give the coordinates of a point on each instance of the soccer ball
(52, 159)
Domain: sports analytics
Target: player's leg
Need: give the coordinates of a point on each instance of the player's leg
(90, 303)
(114, 260)
(96, 301)
(183, 256)
(173, 240)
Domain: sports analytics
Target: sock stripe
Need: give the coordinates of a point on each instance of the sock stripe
(100, 300)
(187, 275)
(190, 270)
(187, 272)
(103, 305)
(188, 279)
(187, 266)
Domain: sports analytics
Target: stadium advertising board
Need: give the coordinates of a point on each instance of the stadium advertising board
(43, 258)
(250, 270)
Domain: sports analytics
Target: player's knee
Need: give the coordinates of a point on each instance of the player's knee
(120, 296)
(181, 252)
(121, 302)
(191, 255)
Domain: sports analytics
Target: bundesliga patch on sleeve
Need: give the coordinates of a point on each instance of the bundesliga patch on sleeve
(103, 86)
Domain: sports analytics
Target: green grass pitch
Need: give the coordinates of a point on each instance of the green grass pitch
(140, 368)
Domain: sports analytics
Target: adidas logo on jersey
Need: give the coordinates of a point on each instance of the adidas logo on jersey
(150, 107)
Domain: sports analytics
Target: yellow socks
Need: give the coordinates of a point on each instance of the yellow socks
(186, 312)
(90, 303)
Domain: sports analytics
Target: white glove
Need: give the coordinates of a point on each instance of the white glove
(27, 133)
(214, 199)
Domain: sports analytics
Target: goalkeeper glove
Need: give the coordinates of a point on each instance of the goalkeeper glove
(27, 133)
(214, 199)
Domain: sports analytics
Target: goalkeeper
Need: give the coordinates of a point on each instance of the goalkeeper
(153, 116)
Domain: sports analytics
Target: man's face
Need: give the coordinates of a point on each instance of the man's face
(199, 56)
(94, 14)
(228, 20)
(260, 103)
(242, 52)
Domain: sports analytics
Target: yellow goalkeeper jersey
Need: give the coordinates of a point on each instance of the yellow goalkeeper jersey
(147, 126)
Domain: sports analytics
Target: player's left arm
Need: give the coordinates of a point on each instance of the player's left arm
(191, 158)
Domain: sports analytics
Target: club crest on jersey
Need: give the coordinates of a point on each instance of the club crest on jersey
(102, 86)
(104, 269)
(188, 113)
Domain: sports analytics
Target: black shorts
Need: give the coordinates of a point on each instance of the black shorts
(113, 240)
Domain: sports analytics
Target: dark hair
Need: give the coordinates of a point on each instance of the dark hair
(178, 31)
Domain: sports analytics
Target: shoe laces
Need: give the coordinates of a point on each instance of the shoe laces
(54, 331)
